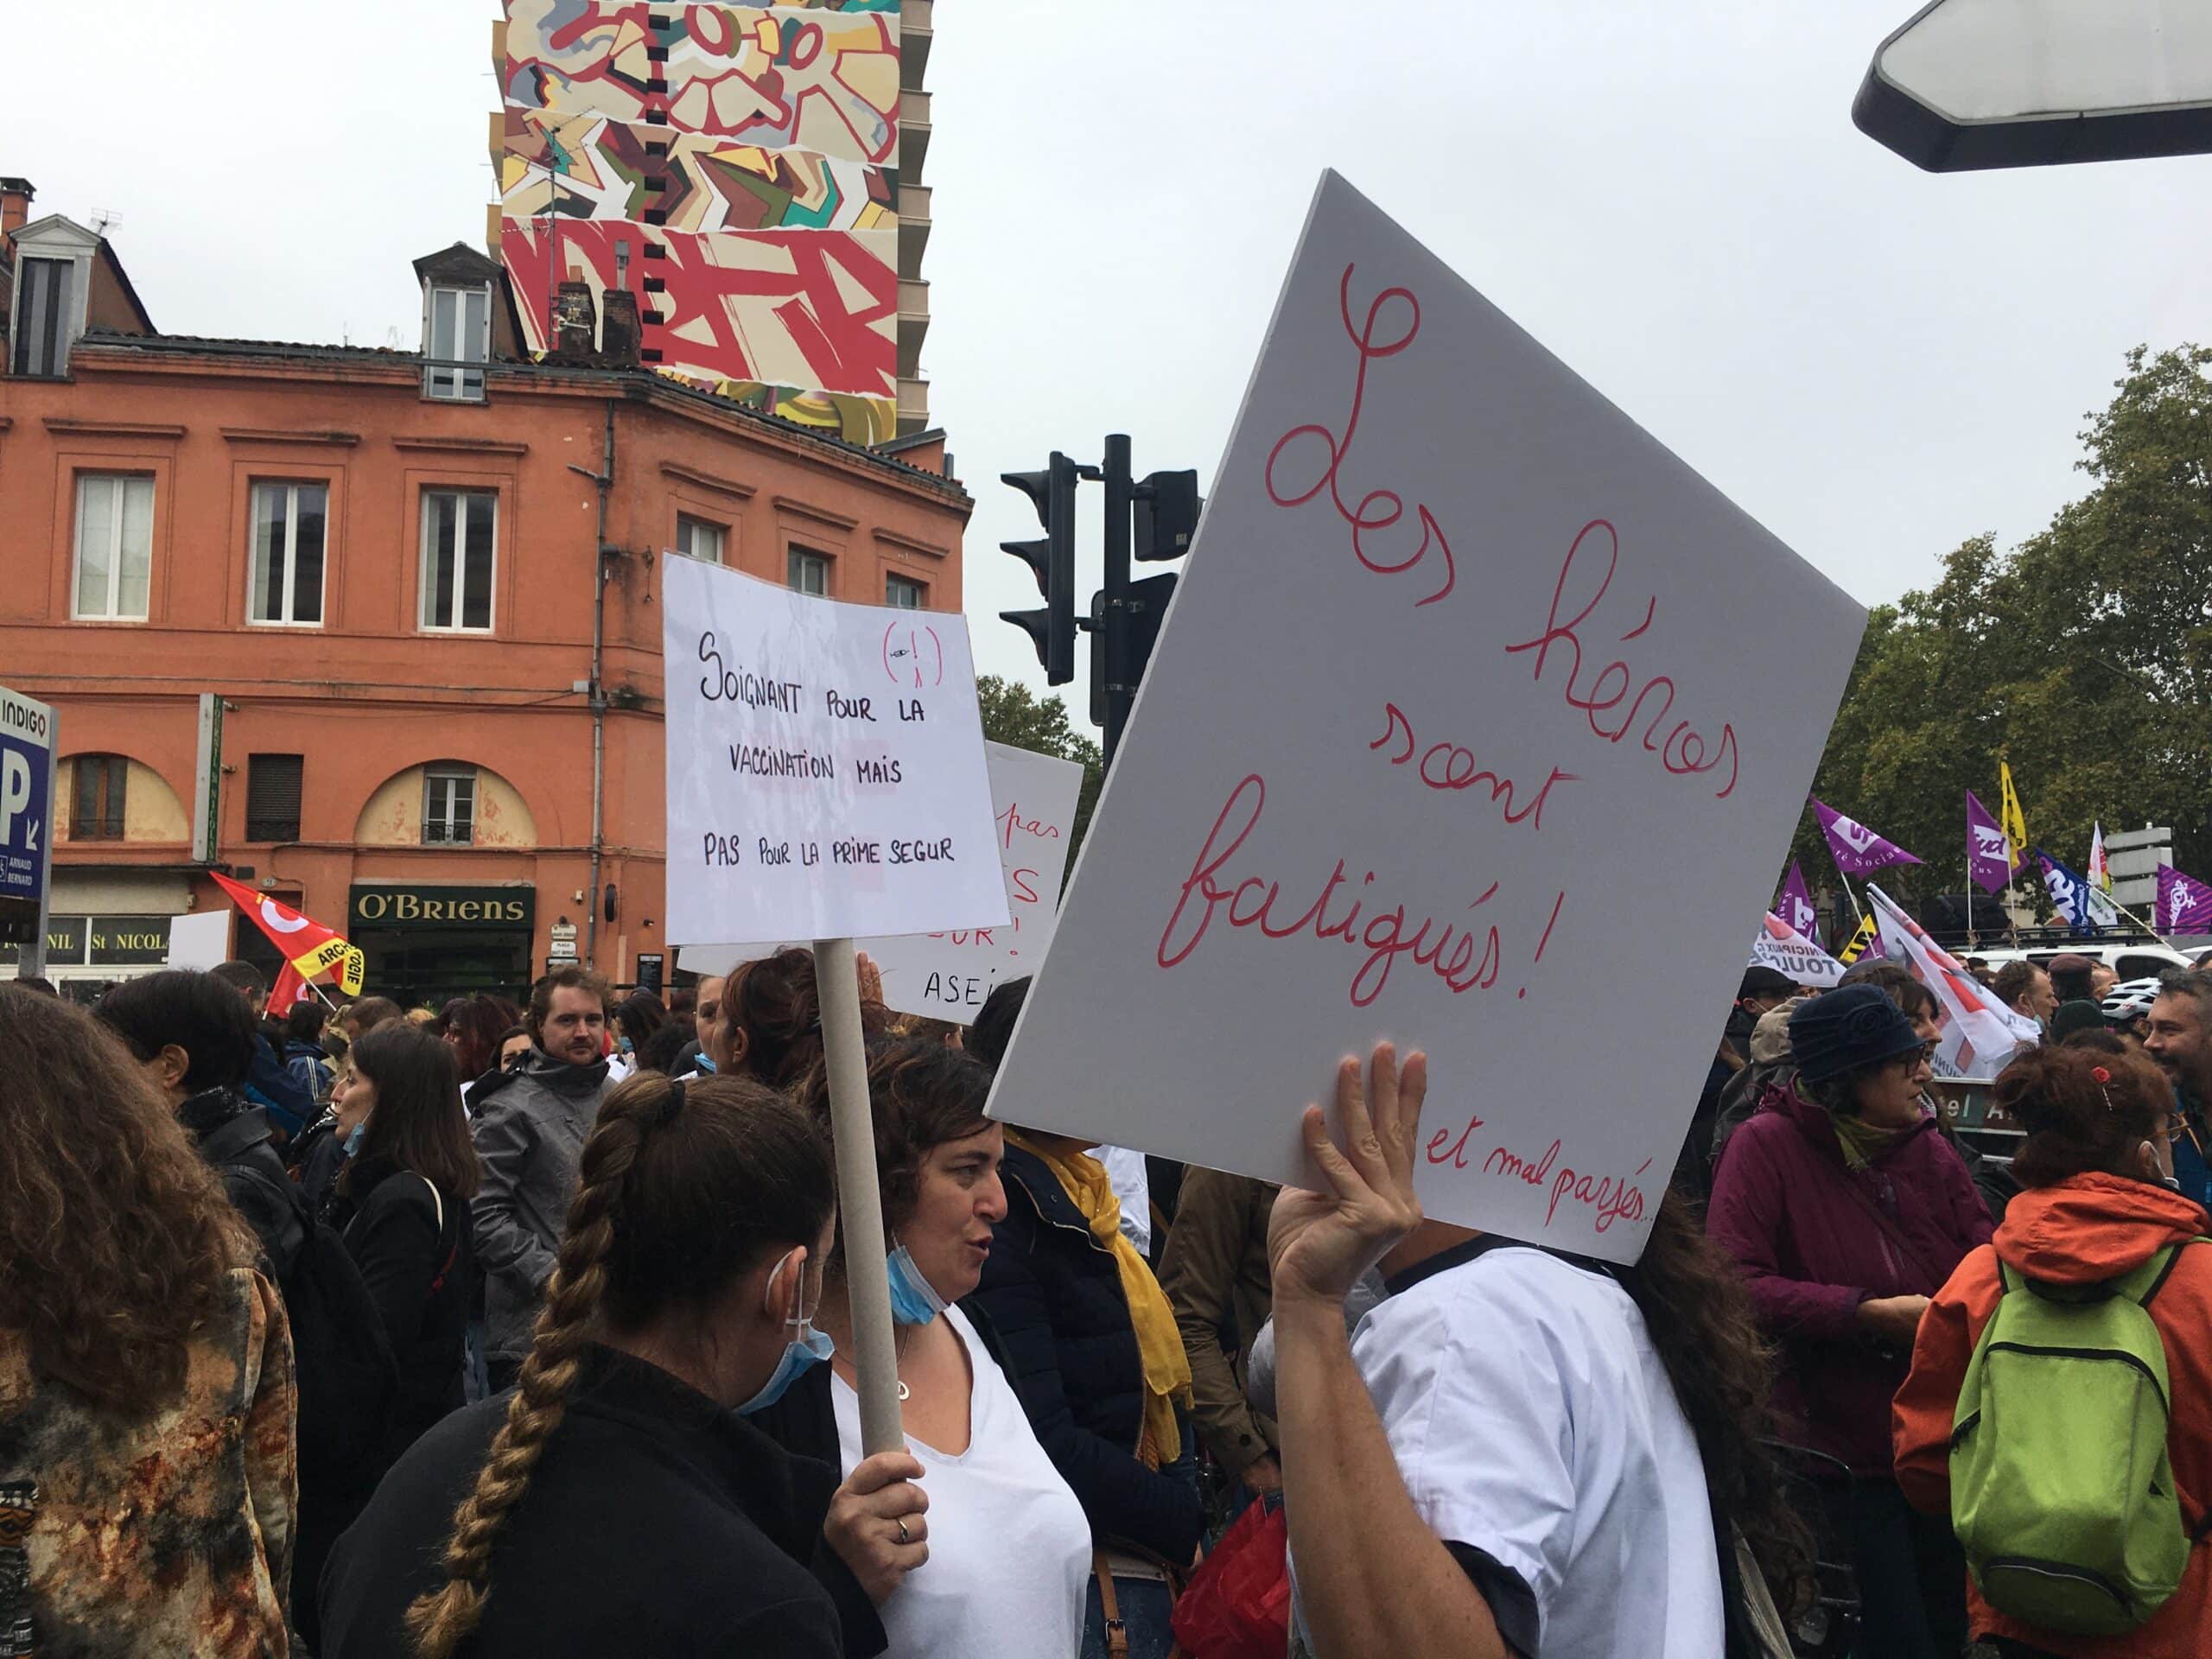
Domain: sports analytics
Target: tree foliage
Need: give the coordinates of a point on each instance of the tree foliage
(2084, 657)
(1013, 716)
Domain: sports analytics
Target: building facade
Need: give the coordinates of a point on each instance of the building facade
(421, 591)
(750, 171)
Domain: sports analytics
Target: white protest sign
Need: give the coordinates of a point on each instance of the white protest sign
(946, 976)
(825, 766)
(1477, 723)
(202, 939)
(1782, 948)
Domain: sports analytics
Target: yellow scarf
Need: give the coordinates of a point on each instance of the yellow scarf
(1159, 1342)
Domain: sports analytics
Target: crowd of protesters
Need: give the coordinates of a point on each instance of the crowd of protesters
(497, 1331)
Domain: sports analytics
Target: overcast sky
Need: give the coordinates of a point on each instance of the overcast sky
(1875, 362)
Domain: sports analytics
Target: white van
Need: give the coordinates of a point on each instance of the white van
(2140, 959)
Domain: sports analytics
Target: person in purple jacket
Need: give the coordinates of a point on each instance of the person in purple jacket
(1846, 1211)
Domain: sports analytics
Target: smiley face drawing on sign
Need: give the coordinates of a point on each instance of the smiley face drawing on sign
(913, 656)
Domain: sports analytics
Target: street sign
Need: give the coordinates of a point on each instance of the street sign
(29, 734)
(1974, 84)
(208, 782)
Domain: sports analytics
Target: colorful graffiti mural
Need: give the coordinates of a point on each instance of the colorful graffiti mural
(590, 166)
(747, 153)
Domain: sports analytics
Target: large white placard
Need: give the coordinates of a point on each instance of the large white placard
(825, 766)
(1480, 722)
(946, 976)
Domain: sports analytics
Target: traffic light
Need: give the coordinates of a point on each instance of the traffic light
(1167, 505)
(1143, 610)
(1051, 559)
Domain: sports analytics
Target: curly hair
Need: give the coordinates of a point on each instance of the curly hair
(2086, 1110)
(923, 1094)
(670, 1210)
(1698, 1310)
(116, 1240)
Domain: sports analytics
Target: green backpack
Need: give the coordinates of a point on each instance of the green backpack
(2061, 1489)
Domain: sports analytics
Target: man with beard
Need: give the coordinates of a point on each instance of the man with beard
(2178, 1036)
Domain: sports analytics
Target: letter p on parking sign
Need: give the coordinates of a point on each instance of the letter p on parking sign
(27, 738)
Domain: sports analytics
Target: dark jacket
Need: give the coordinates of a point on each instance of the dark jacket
(310, 1067)
(411, 1245)
(1782, 1206)
(317, 1156)
(1054, 1295)
(233, 1137)
(655, 1522)
(1215, 1272)
(528, 1137)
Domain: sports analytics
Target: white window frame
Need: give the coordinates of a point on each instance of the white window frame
(690, 527)
(460, 564)
(799, 561)
(121, 483)
(893, 581)
(291, 489)
(433, 775)
(441, 378)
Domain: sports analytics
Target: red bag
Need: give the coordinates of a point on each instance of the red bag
(1237, 1604)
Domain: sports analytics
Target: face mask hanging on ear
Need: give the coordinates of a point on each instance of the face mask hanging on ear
(913, 1301)
(805, 1350)
(353, 1137)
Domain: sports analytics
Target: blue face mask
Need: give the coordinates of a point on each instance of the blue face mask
(354, 1140)
(706, 1063)
(625, 1045)
(809, 1347)
(914, 1301)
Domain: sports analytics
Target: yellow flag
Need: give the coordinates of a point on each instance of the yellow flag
(1860, 941)
(2008, 813)
(356, 968)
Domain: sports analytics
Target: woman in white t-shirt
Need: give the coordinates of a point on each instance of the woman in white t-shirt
(1518, 1452)
(1003, 1558)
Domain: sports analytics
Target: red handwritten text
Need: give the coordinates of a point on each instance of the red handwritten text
(1683, 750)
(1378, 509)
(1250, 902)
(1011, 821)
(1457, 1155)
(1449, 767)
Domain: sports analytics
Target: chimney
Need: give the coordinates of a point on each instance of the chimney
(15, 203)
(620, 332)
(576, 323)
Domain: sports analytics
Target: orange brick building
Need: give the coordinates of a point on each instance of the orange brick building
(425, 587)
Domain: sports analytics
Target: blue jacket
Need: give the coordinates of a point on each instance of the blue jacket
(1053, 1295)
(2188, 1140)
(270, 1086)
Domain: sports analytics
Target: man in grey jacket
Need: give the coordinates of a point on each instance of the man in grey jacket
(528, 1138)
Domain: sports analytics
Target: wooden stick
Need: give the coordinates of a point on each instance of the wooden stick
(860, 1202)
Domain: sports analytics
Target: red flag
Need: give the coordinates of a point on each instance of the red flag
(290, 991)
(310, 947)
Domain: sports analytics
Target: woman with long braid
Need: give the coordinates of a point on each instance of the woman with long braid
(615, 1501)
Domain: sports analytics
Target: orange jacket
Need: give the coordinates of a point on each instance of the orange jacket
(2090, 1228)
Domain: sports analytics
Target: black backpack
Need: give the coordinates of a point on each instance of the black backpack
(347, 1378)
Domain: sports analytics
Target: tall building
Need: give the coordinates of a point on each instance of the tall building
(423, 589)
(750, 170)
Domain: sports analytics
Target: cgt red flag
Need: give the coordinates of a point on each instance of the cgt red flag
(309, 947)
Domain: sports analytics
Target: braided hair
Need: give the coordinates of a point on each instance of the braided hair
(683, 1188)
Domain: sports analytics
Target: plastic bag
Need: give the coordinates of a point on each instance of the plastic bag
(1237, 1604)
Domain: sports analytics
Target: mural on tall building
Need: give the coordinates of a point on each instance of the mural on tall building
(746, 156)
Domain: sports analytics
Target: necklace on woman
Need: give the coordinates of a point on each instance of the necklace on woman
(899, 1359)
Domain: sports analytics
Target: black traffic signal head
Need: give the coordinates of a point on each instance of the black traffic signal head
(1051, 559)
(1167, 505)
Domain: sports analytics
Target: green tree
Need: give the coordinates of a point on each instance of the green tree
(2083, 657)
(1015, 717)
